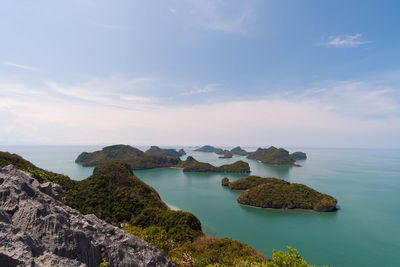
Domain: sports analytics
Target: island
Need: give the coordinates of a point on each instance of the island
(276, 156)
(298, 155)
(210, 149)
(239, 151)
(279, 194)
(135, 158)
(155, 157)
(225, 181)
(250, 181)
(192, 165)
(227, 155)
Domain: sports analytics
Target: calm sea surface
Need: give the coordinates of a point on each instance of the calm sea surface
(365, 232)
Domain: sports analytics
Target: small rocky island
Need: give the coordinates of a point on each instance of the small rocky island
(276, 156)
(227, 155)
(192, 165)
(279, 194)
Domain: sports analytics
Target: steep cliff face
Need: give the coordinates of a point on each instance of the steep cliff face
(37, 229)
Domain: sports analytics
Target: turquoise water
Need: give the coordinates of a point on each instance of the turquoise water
(365, 232)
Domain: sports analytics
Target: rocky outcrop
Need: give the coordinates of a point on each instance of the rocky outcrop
(225, 181)
(239, 151)
(36, 229)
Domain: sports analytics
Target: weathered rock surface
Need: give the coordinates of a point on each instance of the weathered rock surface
(36, 229)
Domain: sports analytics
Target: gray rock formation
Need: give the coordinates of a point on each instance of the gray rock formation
(36, 229)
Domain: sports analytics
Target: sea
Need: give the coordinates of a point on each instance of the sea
(366, 183)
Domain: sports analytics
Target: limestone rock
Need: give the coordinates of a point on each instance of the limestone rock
(37, 229)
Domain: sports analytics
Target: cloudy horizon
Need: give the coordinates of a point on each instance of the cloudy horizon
(193, 72)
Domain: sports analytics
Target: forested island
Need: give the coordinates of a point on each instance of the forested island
(279, 194)
(154, 157)
(276, 156)
(192, 165)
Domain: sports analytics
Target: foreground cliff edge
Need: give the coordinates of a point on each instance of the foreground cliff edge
(36, 228)
(113, 194)
(279, 194)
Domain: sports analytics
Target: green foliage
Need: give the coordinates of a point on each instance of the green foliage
(291, 258)
(180, 226)
(41, 175)
(134, 157)
(252, 181)
(203, 251)
(192, 165)
(273, 156)
(276, 194)
(113, 194)
(104, 264)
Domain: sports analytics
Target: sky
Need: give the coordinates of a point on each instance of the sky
(309, 73)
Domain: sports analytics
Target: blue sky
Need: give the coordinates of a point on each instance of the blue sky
(291, 73)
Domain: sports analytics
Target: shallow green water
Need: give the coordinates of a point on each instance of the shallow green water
(365, 232)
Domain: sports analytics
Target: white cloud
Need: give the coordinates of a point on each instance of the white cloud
(16, 65)
(344, 40)
(346, 114)
(113, 90)
(172, 10)
(208, 88)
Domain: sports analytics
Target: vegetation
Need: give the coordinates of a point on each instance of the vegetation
(211, 149)
(273, 156)
(155, 150)
(192, 165)
(291, 258)
(239, 151)
(41, 175)
(227, 155)
(252, 181)
(276, 193)
(134, 157)
(203, 251)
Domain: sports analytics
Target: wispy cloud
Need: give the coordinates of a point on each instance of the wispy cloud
(16, 65)
(341, 114)
(208, 88)
(172, 10)
(113, 90)
(344, 41)
(214, 15)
